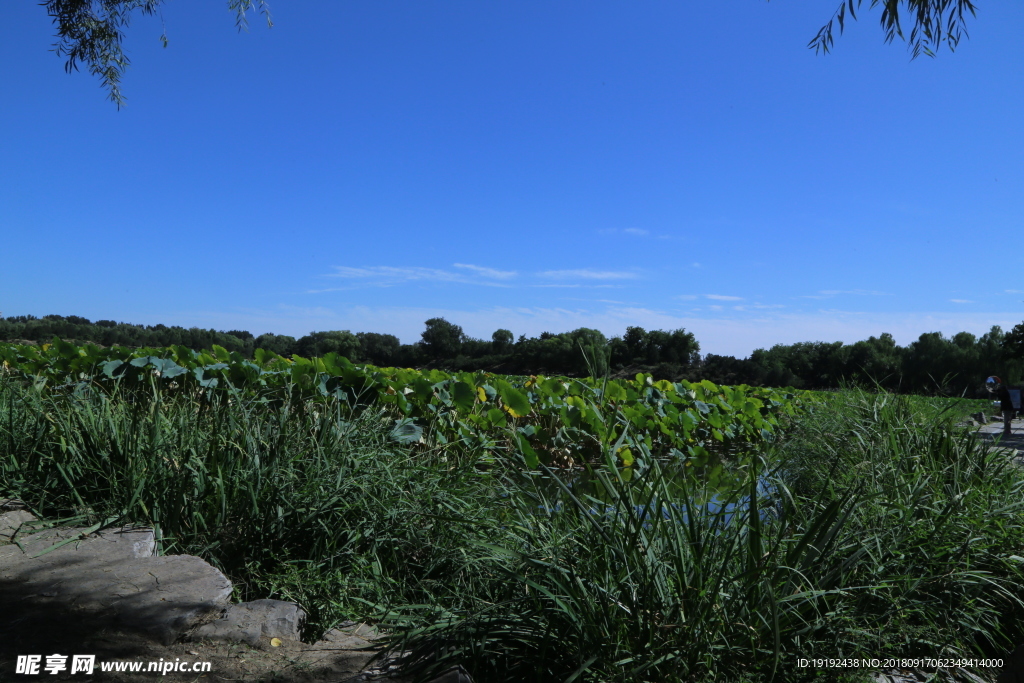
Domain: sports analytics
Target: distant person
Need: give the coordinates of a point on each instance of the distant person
(994, 385)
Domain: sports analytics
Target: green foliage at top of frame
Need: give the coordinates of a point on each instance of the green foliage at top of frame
(547, 419)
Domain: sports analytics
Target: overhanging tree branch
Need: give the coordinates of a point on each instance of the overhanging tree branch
(91, 31)
(934, 22)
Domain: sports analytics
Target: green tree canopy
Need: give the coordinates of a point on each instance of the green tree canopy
(501, 341)
(442, 340)
(1013, 342)
(379, 349)
(281, 344)
(589, 351)
(341, 342)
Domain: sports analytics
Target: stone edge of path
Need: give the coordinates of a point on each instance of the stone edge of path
(117, 575)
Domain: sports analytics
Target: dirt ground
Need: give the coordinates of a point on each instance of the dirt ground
(341, 657)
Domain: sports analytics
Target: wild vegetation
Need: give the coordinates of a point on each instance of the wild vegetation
(564, 420)
(931, 365)
(855, 525)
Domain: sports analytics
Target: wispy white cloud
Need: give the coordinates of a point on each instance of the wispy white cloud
(961, 301)
(393, 273)
(389, 276)
(467, 273)
(829, 293)
(345, 271)
(715, 307)
(593, 301)
(1014, 291)
(487, 272)
(856, 292)
(636, 232)
(723, 297)
(588, 274)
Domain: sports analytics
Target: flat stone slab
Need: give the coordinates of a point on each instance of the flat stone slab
(11, 522)
(247, 622)
(115, 577)
(993, 432)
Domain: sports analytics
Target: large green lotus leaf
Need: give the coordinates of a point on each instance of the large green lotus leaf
(496, 417)
(571, 416)
(406, 432)
(553, 386)
(206, 383)
(527, 430)
(329, 363)
(422, 388)
(577, 388)
(183, 354)
(615, 392)
(463, 395)
(64, 349)
(513, 398)
(168, 368)
(110, 367)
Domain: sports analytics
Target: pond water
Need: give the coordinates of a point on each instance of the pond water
(718, 490)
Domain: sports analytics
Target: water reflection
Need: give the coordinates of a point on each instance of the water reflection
(719, 489)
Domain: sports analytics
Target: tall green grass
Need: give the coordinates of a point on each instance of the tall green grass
(890, 532)
(893, 534)
(302, 502)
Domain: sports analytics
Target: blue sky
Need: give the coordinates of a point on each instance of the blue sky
(531, 165)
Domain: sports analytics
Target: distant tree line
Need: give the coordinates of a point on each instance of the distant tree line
(933, 364)
(111, 333)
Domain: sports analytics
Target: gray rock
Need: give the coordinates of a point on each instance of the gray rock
(248, 621)
(55, 548)
(10, 522)
(350, 636)
(456, 674)
(115, 576)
